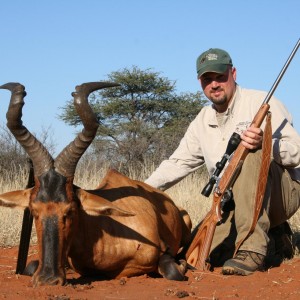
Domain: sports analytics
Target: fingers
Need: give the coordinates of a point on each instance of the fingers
(252, 138)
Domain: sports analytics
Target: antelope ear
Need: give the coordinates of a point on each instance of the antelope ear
(16, 199)
(95, 205)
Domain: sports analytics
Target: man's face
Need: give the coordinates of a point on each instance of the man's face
(219, 88)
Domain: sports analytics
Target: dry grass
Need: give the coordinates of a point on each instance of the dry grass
(186, 194)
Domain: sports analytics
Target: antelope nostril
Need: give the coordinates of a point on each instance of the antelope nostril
(57, 281)
(49, 280)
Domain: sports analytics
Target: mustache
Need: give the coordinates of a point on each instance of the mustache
(217, 89)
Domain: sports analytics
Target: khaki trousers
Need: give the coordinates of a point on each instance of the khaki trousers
(281, 201)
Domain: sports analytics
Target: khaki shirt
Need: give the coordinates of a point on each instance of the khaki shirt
(206, 142)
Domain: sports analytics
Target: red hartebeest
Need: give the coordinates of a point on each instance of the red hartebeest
(122, 228)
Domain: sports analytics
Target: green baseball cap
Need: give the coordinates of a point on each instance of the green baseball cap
(213, 60)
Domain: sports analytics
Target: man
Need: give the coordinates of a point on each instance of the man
(232, 109)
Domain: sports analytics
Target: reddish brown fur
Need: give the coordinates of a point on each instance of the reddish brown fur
(122, 228)
(156, 228)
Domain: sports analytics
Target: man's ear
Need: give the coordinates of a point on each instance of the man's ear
(96, 205)
(16, 199)
(233, 71)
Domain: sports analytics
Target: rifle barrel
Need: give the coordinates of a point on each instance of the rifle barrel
(275, 84)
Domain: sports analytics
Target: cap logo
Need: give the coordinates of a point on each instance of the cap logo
(208, 57)
(212, 56)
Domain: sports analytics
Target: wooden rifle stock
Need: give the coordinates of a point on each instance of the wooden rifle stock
(198, 252)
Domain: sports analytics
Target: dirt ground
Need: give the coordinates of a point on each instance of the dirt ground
(281, 282)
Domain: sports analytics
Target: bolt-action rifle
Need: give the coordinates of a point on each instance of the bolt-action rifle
(197, 254)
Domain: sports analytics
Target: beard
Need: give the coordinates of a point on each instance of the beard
(219, 100)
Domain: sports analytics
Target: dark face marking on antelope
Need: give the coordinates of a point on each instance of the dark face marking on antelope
(52, 188)
(50, 243)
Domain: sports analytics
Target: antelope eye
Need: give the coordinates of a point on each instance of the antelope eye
(69, 213)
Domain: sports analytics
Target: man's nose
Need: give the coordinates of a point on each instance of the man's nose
(215, 84)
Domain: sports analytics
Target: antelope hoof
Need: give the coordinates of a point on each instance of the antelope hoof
(169, 269)
(31, 268)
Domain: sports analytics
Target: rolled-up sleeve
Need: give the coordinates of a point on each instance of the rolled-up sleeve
(186, 159)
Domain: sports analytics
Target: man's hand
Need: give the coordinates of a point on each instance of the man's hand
(252, 138)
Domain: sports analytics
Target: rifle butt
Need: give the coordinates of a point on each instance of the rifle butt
(197, 254)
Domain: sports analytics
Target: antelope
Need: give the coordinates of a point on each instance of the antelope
(124, 227)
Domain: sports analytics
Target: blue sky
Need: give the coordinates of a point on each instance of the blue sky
(52, 46)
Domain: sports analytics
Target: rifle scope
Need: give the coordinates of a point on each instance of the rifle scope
(231, 147)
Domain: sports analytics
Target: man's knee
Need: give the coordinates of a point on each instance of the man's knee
(285, 195)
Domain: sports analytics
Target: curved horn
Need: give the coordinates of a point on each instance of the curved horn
(41, 159)
(67, 160)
